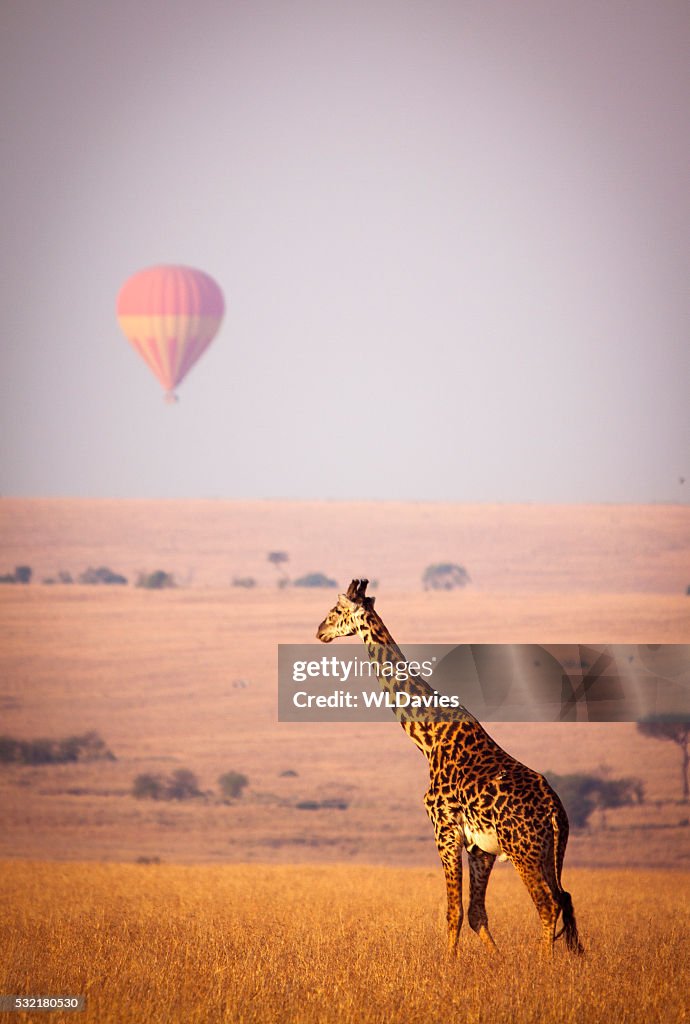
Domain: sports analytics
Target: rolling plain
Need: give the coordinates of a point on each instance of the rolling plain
(257, 909)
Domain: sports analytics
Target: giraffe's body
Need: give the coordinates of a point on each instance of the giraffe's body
(479, 797)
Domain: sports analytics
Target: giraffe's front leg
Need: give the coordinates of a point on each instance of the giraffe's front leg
(481, 864)
(449, 846)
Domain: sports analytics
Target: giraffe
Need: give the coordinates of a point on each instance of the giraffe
(479, 797)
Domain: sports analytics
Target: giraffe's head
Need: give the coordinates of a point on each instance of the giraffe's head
(348, 615)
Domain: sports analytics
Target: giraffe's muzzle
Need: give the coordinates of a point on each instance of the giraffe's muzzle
(322, 633)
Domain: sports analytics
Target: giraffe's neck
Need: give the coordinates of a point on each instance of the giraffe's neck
(384, 652)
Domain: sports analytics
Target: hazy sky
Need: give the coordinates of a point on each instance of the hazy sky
(452, 237)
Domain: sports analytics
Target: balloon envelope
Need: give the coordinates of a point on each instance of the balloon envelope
(170, 315)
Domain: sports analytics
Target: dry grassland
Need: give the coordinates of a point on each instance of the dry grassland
(199, 940)
(204, 945)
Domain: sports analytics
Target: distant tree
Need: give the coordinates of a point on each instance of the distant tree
(87, 747)
(676, 732)
(279, 559)
(102, 574)
(232, 784)
(39, 751)
(69, 748)
(148, 787)
(9, 749)
(582, 794)
(315, 579)
(335, 804)
(157, 580)
(182, 785)
(445, 576)
(21, 574)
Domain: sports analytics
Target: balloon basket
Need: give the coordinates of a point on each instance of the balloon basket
(171, 398)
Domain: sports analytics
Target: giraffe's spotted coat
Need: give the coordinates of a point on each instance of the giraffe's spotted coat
(479, 797)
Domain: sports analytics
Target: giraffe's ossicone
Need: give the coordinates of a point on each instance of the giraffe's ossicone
(479, 797)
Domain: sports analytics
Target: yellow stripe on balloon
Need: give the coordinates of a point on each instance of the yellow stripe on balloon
(168, 325)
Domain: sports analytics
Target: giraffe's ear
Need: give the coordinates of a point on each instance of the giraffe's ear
(371, 601)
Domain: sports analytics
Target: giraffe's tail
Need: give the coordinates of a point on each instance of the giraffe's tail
(569, 927)
(563, 898)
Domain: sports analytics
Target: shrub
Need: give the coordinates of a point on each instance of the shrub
(9, 750)
(87, 747)
(331, 804)
(102, 574)
(21, 574)
(68, 749)
(182, 785)
(232, 785)
(39, 751)
(148, 787)
(157, 580)
(315, 579)
(244, 581)
(445, 576)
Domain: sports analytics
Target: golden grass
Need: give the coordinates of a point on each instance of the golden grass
(204, 945)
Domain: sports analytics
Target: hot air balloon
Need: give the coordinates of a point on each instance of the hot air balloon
(170, 315)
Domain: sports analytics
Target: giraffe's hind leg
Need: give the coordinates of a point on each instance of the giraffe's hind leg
(481, 864)
(449, 847)
(547, 905)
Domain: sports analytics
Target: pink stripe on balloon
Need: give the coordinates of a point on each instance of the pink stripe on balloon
(195, 348)
(173, 360)
(144, 353)
(158, 363)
